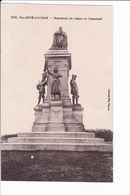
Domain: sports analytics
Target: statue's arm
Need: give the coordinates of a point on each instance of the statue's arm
(65, 35)
(43, 83)
(74, 84)
(50, 73)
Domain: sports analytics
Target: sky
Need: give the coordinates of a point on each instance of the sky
(24, 43)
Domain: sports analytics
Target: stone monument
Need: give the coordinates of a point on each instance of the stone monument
(58, 113)
(58, 123)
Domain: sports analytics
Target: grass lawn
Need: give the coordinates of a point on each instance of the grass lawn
(56, 166)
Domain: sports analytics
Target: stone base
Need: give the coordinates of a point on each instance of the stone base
(62, 141)
(57, 147)
(56, 127)
(58, 116)
(56, 140)
(58, 134)
(39, 127)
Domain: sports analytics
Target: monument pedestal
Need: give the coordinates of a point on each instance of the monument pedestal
(56, 116)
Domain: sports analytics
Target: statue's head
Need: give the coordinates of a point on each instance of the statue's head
(44, 75)
(55, 70)
(60, 29)
(74, 76)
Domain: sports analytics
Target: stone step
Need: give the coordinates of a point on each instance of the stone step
(102, 147)
(54, 140)
(58, 134)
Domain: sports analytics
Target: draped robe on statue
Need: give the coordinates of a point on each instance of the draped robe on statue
(59, 40)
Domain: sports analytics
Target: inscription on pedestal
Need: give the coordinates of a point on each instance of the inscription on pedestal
(56, 114)
(56, 117)
(56, 111)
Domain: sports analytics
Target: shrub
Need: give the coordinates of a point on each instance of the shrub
(102, 133)
(4, 138)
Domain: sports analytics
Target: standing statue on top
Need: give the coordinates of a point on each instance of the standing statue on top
(55, 87)
(59, 40)
(74, 89)
(41, 88)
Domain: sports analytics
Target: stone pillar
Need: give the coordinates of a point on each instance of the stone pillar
(60, 59)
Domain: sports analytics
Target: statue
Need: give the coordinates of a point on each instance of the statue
(55, 87)
(41, 87)
(74, 89)
(59, 40)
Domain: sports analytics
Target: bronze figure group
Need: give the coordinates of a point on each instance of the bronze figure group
(56, 86)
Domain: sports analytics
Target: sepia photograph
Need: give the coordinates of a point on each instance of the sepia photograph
(56, 92)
